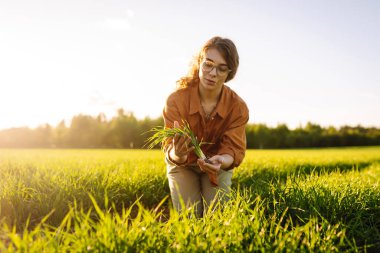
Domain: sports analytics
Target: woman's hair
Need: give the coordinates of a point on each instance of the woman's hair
(229, 52)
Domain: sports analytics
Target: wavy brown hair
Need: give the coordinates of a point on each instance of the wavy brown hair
(229, 52)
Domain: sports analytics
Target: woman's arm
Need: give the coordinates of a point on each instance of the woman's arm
(179, 148)
(233, 141)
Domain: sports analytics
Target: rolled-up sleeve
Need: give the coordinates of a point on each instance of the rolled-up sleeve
(233, 141)
(171, 112)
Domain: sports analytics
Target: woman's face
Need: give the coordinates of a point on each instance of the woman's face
(213, 70)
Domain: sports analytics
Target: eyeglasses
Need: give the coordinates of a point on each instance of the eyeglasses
(221, 70)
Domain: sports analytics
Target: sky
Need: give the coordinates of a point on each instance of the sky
(300, 61)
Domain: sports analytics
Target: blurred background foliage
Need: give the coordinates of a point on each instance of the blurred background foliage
(126, 131)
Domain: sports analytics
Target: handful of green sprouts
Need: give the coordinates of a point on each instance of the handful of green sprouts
(162, 135)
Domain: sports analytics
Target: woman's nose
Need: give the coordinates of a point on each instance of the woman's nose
(213, 71)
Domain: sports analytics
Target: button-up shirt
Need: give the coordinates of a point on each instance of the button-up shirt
(224, 129)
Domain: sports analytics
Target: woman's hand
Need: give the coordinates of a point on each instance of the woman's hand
(217, 163)
(211, 167)
(180, 147)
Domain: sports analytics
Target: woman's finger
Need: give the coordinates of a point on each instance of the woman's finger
(200, 163)
(214, 168)
(217, 159)
(185, 143)
(181, 144)
(176, 139)
(189, 150)
(207, 167)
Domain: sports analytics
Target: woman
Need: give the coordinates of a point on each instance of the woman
(217, 115)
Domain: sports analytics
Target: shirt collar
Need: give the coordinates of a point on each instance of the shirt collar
(195, 104)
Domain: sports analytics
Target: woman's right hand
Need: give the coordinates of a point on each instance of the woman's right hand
(180, 147)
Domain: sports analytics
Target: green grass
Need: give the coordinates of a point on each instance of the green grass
(319, 200)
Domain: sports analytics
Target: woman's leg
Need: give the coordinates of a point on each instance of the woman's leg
(185, 185)
(220, 193)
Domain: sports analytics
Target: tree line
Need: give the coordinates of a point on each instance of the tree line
(126, 131)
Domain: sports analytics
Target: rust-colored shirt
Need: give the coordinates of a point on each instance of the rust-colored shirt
(225, 128)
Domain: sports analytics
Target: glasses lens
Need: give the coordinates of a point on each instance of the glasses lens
(222, 70)
(207, 66)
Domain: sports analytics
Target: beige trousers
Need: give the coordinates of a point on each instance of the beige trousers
(192, 186)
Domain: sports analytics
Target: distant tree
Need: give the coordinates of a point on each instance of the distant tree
(313, 134)
(60, 135)
(42, 137)
(330, 137)
(126, 131)
(16, 138)
(85, 132)
(296, 138)
(279, 136)
(258, 136)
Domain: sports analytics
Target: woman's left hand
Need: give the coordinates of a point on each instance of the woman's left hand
(213, 167)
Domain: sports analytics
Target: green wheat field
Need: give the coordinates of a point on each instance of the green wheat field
(304, 200)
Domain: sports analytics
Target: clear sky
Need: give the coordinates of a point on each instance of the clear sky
(300, 61)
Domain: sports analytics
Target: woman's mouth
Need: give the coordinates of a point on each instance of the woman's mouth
(210, 82)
